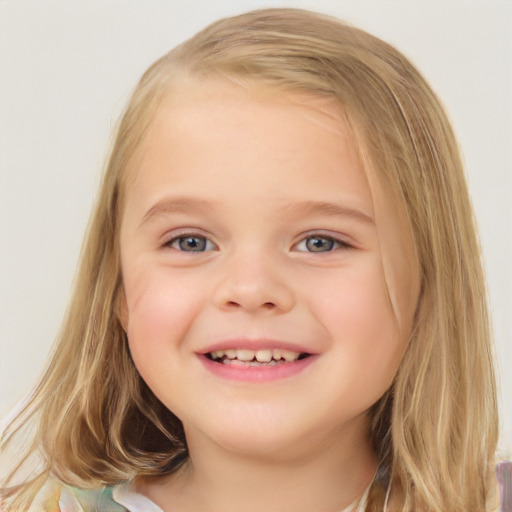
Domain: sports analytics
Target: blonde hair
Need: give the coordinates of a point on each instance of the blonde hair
(435, 429)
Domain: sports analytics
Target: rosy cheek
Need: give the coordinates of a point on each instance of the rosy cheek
(159, 307)
(359, 314)
(160, 316)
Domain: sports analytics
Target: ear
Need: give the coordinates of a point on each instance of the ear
(121, 309)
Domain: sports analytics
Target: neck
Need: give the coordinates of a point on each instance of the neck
(322, 477)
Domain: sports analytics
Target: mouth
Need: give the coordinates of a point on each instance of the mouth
(255, 358)
(256, 361)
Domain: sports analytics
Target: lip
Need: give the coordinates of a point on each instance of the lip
(256, 373)
(256, 344)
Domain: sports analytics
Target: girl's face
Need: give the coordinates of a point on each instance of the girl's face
(255, 300)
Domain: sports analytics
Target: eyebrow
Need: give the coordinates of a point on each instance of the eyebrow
(177, 205)
(326, 208)
(302, 208)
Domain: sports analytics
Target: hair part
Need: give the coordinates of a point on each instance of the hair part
(435, 429)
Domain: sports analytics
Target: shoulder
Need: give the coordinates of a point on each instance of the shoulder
(91, 500)
(56, 496)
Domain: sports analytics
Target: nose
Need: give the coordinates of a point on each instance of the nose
(254, 284)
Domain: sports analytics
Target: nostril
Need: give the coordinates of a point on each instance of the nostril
(265, 305)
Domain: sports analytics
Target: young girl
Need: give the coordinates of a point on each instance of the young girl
(280, 304)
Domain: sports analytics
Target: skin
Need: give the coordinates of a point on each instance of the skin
(233, 168)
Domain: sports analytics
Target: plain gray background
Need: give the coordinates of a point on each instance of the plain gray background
(67, 67)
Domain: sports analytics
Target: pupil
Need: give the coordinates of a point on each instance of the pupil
(319, 244)
(192, 243)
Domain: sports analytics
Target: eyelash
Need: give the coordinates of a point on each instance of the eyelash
(337, 244)
(189, 236)
(333, 243)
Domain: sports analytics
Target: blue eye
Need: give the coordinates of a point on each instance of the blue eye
(191, 243)
(319, 243)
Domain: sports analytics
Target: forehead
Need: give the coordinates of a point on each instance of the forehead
(221, 121)
(187, 95)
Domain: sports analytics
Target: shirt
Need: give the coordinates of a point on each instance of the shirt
(58, 497)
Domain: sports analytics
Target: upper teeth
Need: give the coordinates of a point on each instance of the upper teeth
(262, 356)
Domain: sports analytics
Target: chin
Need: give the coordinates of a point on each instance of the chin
(252, 436)
(271, 439)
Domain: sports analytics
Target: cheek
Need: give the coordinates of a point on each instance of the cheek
(357, 302)
(160, 309)
(359, 319)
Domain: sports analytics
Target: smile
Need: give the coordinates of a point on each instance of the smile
(259, 365)
(262, 357)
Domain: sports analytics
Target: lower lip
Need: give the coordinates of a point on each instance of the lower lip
(256, 373)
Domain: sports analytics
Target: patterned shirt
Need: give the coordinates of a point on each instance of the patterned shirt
(58, 497)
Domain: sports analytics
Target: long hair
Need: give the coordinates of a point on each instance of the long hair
(435, 429)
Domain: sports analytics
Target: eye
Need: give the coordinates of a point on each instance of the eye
(320, 243)
(191, 243)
